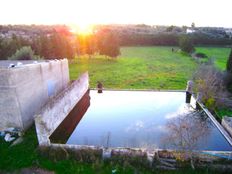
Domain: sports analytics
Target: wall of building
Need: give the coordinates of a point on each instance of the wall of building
(26, 88)
(58, 108)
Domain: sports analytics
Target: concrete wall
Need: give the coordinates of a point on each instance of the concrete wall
(68, 125)
(25, 89)
(57, 109)
(227, 124)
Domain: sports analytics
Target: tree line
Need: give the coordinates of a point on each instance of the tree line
(58, 45)
(170, 39)
(58, 42)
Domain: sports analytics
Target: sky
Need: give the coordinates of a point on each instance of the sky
(214, 13)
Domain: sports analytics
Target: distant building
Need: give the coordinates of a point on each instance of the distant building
(229, 32)
(189, 31)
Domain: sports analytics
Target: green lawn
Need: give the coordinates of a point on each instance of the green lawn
(138, 68)
(145, 67)
(219, 55)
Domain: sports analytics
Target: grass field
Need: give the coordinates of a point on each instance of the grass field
(145, 67)
(219, 55)
(138, 68)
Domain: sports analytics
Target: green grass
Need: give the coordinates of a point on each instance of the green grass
(224, 112)
(138, 68)
(220, 55)
(145, 67)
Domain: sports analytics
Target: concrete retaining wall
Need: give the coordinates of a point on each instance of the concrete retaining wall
(227, 124)
(59, 107)
(216, 123)
(26, 88)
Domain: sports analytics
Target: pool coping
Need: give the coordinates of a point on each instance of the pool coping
(148, 90)
(219, 126)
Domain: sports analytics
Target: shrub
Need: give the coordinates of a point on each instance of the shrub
(211, 84)
(24, 53)
(229, 72)
(201, 55)
(229, 63)
(228, 81)
(186, 44)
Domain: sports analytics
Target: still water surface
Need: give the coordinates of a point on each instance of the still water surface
(146, 119)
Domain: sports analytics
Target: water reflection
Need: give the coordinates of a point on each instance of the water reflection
(187, 132)
(65, 129)
(145, 120)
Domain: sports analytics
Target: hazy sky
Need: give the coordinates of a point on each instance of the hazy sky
(162, 12)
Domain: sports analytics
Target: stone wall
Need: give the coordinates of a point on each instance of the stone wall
(59, 107)
(26, 88)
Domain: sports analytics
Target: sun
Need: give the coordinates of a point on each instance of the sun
(81, 29)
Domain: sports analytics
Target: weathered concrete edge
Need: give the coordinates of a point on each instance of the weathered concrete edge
(107, 152)
(147, 90)
(55, 111)
(227, 126)
(221, 129)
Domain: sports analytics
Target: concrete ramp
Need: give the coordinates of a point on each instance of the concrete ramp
(56, 110)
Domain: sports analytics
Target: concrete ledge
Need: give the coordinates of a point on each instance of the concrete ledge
(157, 158)
(227, 124)
(55, 111)
(220, 128)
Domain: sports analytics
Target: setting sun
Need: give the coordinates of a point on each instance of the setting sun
(83, 29)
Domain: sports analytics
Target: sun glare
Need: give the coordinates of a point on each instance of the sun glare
(82, 29)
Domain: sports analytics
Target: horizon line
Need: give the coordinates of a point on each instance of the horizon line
(95, 24)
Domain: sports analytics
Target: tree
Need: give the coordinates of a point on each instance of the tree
(185, 132)
(229, 63)
(228, 80)
(185, 44)
(108, 44)
(193, 25)
(24, 53)
(45, 47)
(86, 44)
(8, 46)
(170, 29)
(210, 83)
